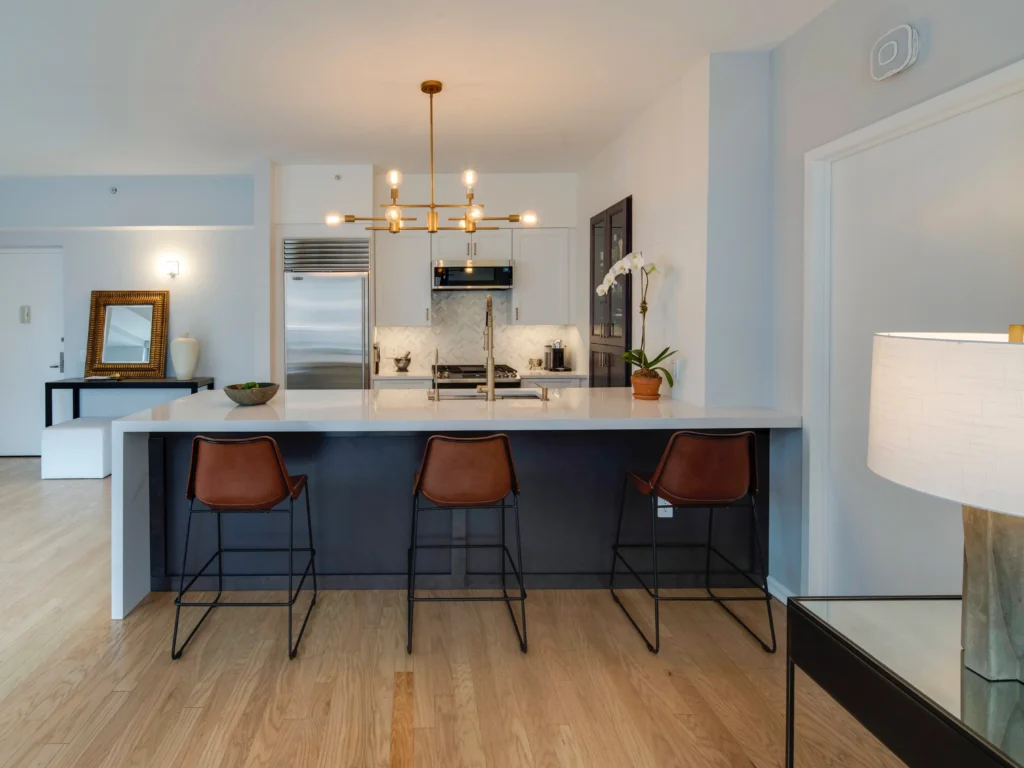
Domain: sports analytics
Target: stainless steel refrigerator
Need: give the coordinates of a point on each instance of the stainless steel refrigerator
(327, 319)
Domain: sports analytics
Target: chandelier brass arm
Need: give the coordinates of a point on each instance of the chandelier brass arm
(393, 212)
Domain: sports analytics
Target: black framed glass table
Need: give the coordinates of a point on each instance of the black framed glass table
(895, 665)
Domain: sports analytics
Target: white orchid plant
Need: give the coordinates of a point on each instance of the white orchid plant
(647, 367)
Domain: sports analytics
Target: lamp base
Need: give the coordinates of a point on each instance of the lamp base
(993, 594)
(995, 710)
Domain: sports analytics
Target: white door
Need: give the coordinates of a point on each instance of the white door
(492, 244)
(402, 276)
(31, 347)
(928, 235)
(540, 277)
(450, 245)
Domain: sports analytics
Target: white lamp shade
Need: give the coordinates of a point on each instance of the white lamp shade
(947, 417)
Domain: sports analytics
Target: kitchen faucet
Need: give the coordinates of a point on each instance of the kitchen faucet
(489, 347)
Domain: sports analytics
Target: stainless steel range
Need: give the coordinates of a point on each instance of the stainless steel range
(472, 376)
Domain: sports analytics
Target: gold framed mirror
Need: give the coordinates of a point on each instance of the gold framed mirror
(127, 334)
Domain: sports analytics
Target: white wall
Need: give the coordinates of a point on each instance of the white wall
(118, 242)
(698, 165)
(159, 201)
(823, 92)
(927, 235)
(211, 299)
(304, 194)
(662, 161)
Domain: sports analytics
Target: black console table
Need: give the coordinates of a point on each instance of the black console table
(77, 385)
(895, 665)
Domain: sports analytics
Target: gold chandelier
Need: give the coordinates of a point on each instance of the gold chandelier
(468, 222)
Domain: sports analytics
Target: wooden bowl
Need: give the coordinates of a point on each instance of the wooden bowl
(257, 396)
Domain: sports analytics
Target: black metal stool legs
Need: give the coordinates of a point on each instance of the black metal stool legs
(763, 586)
(293, 589)
(654, 593)
(175, 650)
(616, 556)
(506, 561)
(411, 590)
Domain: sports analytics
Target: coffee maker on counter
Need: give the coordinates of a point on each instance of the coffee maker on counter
(556, 356)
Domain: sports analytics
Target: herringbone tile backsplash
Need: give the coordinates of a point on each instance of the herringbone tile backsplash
(457, 333)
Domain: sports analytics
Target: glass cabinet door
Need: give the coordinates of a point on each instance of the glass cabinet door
(617, 300)
(599, 265)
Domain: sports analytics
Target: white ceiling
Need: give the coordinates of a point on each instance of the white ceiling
(175, 86)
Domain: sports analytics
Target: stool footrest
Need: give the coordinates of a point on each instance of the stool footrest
(714, 550)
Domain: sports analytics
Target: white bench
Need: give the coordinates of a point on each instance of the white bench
(76, 448)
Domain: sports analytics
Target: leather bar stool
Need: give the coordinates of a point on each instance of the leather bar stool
(236, 476)
(698, 470)
(474, 473)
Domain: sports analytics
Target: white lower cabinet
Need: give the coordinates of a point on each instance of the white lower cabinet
(402, 383)
(568, 382)
(540, 263)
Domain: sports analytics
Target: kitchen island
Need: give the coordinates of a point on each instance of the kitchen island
(360, 449)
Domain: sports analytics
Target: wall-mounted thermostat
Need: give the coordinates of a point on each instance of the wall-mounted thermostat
(894, 52)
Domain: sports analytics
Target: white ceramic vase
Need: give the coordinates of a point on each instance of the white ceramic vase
(184, 356)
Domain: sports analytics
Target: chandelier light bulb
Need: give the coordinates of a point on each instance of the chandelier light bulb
(394, 178)
(469, 179)
(528, 218)
(332, 219)
(393, 213)
(462, 223)
(475, 213)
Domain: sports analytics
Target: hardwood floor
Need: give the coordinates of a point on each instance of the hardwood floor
(77, 689)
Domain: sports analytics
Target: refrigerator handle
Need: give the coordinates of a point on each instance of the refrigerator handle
(366, 331)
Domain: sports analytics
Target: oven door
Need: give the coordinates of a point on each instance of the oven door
(498, 384)
(474, 275)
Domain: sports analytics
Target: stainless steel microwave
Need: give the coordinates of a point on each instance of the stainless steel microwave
(472, 275)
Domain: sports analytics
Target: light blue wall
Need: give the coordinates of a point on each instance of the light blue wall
(41, 202)
(738, 362)
(822, 91)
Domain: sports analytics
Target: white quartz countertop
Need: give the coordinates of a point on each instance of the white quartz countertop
(552, 375)
(410, 410)
(415, 374)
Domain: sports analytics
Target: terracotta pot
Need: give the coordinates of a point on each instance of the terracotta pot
(646, 387)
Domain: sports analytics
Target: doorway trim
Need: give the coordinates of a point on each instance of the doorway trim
(817, 329)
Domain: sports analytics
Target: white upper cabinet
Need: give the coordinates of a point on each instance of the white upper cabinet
(540, 293)
(492, 245)
(450, 245)
(402, 275)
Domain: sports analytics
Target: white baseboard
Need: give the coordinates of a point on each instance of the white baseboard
(778, 591)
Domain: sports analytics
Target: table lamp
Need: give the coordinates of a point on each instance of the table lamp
(947, 418)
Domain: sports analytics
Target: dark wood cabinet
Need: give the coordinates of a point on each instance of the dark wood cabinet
(607, 368)
(611, 238)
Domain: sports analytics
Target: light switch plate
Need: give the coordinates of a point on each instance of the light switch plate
(664, 511)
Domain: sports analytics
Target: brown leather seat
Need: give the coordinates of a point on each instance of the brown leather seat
(466, 471)
(701, 469)
(245, 473)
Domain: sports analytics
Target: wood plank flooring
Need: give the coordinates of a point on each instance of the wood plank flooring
(77, 689)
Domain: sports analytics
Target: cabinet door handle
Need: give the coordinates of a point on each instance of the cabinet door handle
(474, 247)
(427, 318)
(467, 248)
(517, 313)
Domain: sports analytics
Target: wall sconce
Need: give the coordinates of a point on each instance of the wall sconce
(170, 268)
